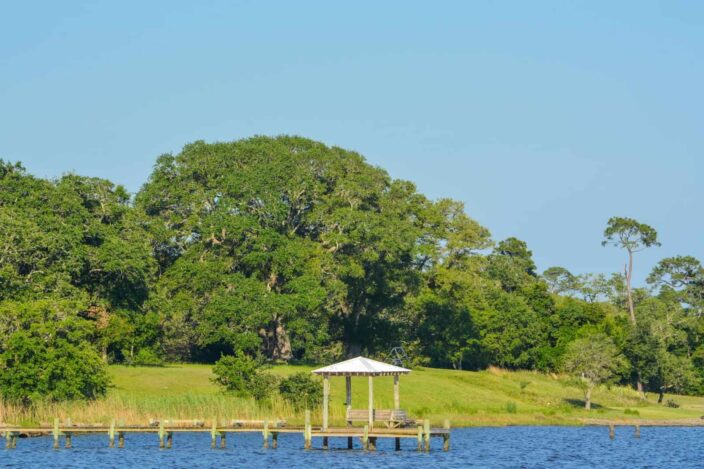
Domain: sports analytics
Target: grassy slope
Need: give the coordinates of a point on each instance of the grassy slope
(466, 398)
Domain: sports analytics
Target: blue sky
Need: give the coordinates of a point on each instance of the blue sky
(545, 118)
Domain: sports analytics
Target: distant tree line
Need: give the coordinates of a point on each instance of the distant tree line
(284, 249)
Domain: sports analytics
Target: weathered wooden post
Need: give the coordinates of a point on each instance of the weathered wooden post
(612, 431)
(56, 433)
(350, 442)
(213, 433)
(365, 438)
(398, 444)
(307, 432)
(446, 436)
(325, 442)
(326, 399)
(162, 433)
(420, 438)
(121, 434)
(169, 439)
(637, 431)
(275, 437)
(372, 443)
(371, 401)
(13, 443)
(68, 434)
(426, 431)
(223, 440)
(265, 433)
(8, 440)
(111, 434)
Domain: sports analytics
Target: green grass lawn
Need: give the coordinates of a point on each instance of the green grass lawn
(491, 397)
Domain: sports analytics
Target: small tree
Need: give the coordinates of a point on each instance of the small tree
(560, 280)
(242, 375)
(301, 391)
(46, 355)
(594, 360)
(633, 236)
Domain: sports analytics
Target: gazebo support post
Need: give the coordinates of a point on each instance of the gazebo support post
(348, 387)
(397, 393)
(326, 398)
(371, 401)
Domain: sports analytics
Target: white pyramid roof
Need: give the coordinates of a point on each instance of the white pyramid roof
(361, 366)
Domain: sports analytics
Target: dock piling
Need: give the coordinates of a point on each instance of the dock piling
(612, 431)
(398, 444)
(307, 432)
(637, 434)
(111, 434)
(426, 434)
(56, 433)
(420, 438)
(120, 439)
(162, 433)
(68, 442)
(265, 433)
(274, 440)
(350, 442)
(213, 433)
(365, 438)
(446, 437)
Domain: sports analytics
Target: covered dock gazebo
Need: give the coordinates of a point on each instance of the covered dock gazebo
(359, 366)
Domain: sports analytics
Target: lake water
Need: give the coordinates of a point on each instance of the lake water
(529, 447)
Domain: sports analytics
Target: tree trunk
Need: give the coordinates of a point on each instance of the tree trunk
(631, 311)
(277, 345)
(629, 293)
(661, 396)
(588, 398)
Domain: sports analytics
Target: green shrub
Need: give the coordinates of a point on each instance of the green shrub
(262, 385)
(301, 391)
(233, 372)
(631, 412)
(145, 357)
(511, 407)
(241, 375)
(47, 355)
(671, 403)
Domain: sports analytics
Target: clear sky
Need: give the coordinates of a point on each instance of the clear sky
(545, 118)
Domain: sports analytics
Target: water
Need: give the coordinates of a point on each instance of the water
(525, 447)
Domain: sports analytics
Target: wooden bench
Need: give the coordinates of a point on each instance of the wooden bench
(391, 418)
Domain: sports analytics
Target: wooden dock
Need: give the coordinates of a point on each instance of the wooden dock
(270, 431)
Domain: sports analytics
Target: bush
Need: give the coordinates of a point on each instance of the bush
(46, 355)
(301, 391)
(145, 357)
(631, 412)
(671, 403)
(241, 374)
(262, 385)
(235, 372)
(511, 407)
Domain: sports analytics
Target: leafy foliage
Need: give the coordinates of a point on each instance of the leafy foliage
(301, 391)
(286, 249)
(46, 354)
